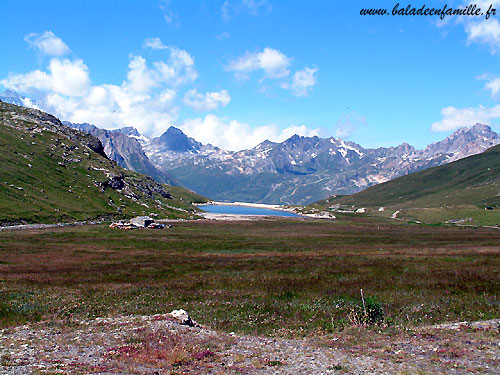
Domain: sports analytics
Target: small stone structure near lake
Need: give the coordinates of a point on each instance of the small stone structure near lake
(142, 221)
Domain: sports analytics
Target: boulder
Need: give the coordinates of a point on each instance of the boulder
(183, 318)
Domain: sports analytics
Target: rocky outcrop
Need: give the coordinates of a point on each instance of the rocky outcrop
(95, 145)
(114, 182)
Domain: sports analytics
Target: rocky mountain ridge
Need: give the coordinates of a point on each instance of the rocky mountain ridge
(123, 146)
(299, 170)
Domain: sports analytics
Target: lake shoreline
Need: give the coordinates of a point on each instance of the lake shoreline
(295, 213)
(244, 204)
(243, 216)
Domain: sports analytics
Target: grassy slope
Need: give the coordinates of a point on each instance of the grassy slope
(460, 188)
(34, 187)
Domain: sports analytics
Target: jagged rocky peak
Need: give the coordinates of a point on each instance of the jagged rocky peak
(84, 127)
(465, 141)
(298, 139)
(294, 138)
(479, 128)
(300, 143)
(404, 149)
(175, 140)
(474, 131)
(129, 130)
(266, 144)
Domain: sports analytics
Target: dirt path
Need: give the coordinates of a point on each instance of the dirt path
(160, 345)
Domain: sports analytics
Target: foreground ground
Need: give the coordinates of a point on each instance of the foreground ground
(158, 345)
(296, 282)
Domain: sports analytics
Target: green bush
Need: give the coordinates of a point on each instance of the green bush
(374, 311)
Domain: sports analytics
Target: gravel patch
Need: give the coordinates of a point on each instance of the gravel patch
(159, 345)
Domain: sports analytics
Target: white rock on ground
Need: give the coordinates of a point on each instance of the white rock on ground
(182, 317)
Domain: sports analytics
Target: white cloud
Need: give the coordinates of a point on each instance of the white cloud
(154, 43)
(207, 102)
(303, 81)
(141, 78)
(112, 106)
(493, 85)
(273, 62)
(48, 43)
(275, 65)
(179, 69)
(479, 29)
(487, 32)
(65, 77)
(146, 99)
(234, 135)
(454, 118)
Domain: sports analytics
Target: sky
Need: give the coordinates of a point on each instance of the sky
(236, 72)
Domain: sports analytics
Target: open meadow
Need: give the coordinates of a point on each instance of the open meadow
(267, 277)
(283, 278)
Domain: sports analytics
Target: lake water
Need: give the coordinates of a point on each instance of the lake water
(244, 210)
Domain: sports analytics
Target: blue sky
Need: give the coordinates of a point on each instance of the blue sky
(235, 72)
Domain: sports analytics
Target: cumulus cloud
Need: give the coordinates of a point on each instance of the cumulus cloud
(47, 43)
(486, 32)
(234, 135)
(481, 30)
(208, 101)
(146, 99)
(272, 62)
(275, 65)
(303, 81)
(180, 68)
(454, 118)
(64, 77)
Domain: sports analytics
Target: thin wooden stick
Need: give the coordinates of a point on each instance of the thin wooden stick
(363, 299)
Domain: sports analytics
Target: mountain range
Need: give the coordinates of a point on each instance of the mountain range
(299, 170)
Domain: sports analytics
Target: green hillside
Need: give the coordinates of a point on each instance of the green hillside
(464, 187)
(51, 173)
